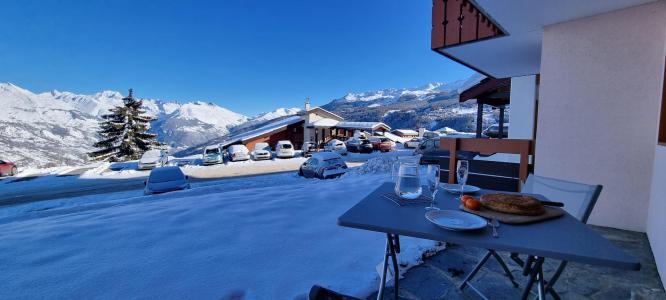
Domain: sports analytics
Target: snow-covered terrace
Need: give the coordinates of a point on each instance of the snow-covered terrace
(267, 238)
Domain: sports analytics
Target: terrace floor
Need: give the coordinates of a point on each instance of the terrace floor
(439, 275)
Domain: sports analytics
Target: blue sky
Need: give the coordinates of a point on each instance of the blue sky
(248, 56)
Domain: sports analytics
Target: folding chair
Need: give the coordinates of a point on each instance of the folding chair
(579, 200)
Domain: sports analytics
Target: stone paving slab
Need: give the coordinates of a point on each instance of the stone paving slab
(439, 275)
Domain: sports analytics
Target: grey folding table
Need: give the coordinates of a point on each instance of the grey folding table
(564, 238)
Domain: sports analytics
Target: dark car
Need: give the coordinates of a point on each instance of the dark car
(353, 144)
(365, 147)
(431, 153)
(8, 168)
(166, 179)
(308, 148)
(323, 165)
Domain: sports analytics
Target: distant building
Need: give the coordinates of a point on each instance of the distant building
(315, 125)
(406, 133)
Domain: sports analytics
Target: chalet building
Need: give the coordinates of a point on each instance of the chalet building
(315, 125)
(406, 133)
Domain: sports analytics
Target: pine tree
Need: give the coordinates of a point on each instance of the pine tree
(123, 132)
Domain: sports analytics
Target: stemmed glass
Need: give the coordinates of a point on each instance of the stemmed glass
(432, 178)
(461, 173)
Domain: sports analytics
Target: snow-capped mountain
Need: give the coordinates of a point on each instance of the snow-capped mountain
(432, 106)
(278, 113)
(178, 125)
(57, 128)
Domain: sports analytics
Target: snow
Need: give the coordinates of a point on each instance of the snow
(325, 122)
(374, 105)
(210, 113)
(360, 125)
(59, 128)
(266, 242)
(407, 131)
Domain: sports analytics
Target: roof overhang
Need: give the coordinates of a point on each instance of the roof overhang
(516, 49)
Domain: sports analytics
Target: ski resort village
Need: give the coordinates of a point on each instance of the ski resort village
(322, 151)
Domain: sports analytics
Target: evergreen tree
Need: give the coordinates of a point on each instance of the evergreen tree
(123, 132)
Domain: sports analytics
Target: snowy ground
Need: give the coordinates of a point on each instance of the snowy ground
(266, 238)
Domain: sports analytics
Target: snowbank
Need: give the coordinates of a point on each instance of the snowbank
(269, 243)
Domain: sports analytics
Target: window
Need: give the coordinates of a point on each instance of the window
(662, 121)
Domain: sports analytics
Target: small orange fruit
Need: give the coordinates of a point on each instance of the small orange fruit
(473, 204)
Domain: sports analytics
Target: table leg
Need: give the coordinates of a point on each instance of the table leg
(540, 285)
(535, 274)
(392, 248)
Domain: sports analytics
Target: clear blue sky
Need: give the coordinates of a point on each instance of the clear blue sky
(248, 56)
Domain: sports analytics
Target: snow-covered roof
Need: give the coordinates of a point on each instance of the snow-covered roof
(325, 122)
(270, 127)
(407, 131)
(324, 112)
(362, 125)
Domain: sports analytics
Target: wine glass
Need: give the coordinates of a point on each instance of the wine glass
(432, 178)
(461, 173)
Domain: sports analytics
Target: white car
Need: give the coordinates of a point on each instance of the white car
(153, 158)
(336, 146)
(238, 152)
(284, 149)
(261, 151)
(413, 143)
(212, 155)
(167, 179)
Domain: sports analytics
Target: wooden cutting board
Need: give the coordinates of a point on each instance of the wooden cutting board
(551, 213)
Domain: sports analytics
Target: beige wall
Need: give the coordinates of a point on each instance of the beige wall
(599, 107)
(523, 107)
(656, 222)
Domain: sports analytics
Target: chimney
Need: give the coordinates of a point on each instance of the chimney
(307, 104)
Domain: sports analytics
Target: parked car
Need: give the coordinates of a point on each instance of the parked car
(386, 145)
(323, 165)
(238, 153)
(8, 168)
(375, 142)
(337, 146)
(413, 143)
(212, 155)
(261, 151)
(353, 144)
(308, 148)
(431, 153)
(167, 179)
(366, 147)
(284, 149)
(493, 131)
(153, 158)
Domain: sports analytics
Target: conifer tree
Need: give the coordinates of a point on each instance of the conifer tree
(124, 132)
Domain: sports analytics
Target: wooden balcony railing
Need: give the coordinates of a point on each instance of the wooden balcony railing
(524, 148)
(456, 22)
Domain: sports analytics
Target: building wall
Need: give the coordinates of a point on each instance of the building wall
(656, 222)
(523, 105)
(599, 105)
(293, 133)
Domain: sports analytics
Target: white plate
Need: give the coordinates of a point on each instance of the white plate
(455, 188)
(455, 220)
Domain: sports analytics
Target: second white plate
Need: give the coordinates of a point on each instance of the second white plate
(455, 220)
